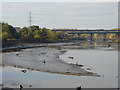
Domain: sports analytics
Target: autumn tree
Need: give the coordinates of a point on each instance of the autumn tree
(8, 31)
(51, 35)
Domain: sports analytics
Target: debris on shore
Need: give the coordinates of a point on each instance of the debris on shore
(24, 71)
(71, 57)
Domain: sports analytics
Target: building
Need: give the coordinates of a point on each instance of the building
(17, 28)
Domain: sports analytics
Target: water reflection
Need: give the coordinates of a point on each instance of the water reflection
(92, 45)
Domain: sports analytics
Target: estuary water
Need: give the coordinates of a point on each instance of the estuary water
(101, 60)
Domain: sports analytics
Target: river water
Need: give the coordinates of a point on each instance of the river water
(101, 60)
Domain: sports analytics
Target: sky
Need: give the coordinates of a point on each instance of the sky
(54, 14)
(60, 0)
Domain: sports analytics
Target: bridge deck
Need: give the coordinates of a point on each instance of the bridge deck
(89, 31)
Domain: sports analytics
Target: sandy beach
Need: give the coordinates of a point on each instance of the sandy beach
(43, 59)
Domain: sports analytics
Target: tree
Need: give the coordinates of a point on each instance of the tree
(23, 31)
(59, 36)
(33, 28)
(37, 32)
(51, 35)
(43, 33)
(5, 36)
(37, 37)
(9, 30)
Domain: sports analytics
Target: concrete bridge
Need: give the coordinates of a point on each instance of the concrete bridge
(91, 32)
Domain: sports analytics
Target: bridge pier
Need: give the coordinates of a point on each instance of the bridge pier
(105, 37)
(91, 36)
(78, 34)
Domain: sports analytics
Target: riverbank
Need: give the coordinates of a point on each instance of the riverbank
(82, 44)
(43, 59)
(31, 45)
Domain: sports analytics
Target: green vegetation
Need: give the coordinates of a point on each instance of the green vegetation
(28, 34)
(36, 34)
(8, 32)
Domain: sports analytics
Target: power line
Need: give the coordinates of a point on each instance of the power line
(30, 18)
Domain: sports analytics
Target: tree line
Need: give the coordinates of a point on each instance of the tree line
(29, 34)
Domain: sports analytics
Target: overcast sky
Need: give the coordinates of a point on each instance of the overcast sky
(60, 0)
(81, 15)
